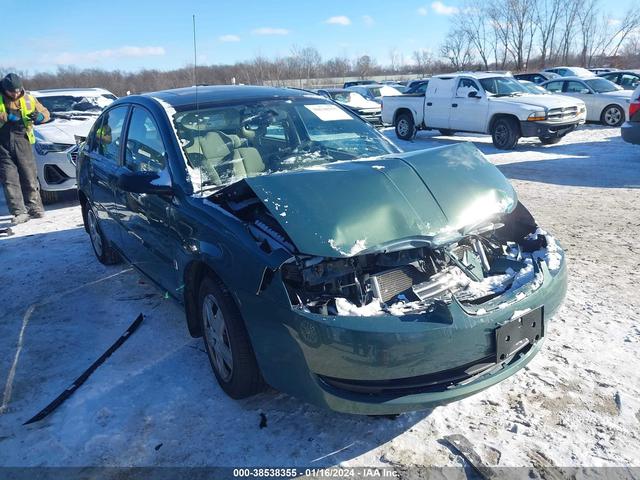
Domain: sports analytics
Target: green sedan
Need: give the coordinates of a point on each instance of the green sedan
(314, 256)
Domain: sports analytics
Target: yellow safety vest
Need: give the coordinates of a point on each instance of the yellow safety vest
(27, 107)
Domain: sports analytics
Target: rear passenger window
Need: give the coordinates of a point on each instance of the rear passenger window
(145, 150)
(107, 137)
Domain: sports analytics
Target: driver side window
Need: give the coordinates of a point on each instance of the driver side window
(145, 150)
(465, 86)
(576, 87)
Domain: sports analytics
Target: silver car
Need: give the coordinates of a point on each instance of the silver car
(606, 102)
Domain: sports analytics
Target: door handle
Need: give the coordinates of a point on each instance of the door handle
(454, 105)
(429, 104)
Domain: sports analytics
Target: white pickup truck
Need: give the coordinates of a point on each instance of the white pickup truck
(491, 103)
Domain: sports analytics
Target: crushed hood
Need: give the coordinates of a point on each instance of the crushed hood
(340, 209)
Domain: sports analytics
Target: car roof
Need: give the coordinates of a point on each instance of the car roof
(335, 90)
(630, 70)
(477, 75)
(52, 92)
(223, 93)
(573, 77)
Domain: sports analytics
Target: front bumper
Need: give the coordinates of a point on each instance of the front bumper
(630, 132)
(325, 360)
(56, 171)
(374, 118)
(547, 129)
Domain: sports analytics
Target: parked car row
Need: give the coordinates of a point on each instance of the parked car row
(491, 103)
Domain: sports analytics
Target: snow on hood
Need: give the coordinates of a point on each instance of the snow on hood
(62, 130)
(360, 102)
(540, 101)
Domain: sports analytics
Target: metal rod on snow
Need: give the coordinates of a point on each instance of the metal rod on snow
(86, 374)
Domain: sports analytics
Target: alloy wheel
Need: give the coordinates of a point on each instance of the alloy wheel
(612, 116)
(217, 337)
(403, 127)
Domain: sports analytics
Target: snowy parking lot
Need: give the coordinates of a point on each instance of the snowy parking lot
(156, 402)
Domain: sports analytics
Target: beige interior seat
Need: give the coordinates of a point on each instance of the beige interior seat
(223, 156)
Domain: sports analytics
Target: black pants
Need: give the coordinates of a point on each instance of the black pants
(18, 173)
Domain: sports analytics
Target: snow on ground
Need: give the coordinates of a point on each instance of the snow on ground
(155, 401)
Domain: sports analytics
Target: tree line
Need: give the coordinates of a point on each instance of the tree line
(513, 35)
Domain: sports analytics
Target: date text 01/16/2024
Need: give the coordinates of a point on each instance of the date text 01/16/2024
(329, 472)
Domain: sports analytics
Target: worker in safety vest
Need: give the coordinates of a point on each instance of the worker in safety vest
(19, 112)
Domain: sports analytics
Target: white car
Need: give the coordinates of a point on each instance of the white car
(492, 103)
(73, 111)
(606, 102)
(570, 71)
(375, 92)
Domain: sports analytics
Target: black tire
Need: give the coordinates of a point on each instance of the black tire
(446, 132)
(48, 197)
(549, 140)
(105, 253)
(240, 377)
(505, 133)
(612, 116)
(405, 127)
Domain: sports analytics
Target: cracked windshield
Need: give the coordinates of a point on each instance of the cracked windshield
(228, 143)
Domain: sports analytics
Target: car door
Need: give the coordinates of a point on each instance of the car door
(468, 113)
(104, 152)
(437, 102)
(149, 238)
(580, 90)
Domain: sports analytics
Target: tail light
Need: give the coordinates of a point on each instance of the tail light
(634, 107)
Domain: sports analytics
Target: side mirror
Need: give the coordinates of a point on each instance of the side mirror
(473, 94)
(146, 182)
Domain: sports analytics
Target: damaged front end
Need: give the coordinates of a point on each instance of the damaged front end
(488, 268)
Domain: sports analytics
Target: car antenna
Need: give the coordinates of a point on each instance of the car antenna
(195, 82)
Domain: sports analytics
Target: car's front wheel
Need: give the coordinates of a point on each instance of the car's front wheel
(405, 127)
(505, 133)
(612, 116)
(227, 342)
(105, 253)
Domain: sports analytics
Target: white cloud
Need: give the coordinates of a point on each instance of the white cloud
(423, 11)
(229, 38)
(368, 20)
(270, 31)
(442, 9)
(67, 58)
(613, 22)
(338, 20)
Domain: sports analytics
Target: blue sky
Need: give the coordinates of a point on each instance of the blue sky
(132, 34)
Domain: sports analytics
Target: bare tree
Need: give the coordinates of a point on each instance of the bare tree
(456, 48)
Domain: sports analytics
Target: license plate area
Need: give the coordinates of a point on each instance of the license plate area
(516, 334)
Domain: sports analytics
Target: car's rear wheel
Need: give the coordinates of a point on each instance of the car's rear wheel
(405, 127)
(505, 133)
(549, 140)
(612, 116)
(105, 253)
(227, 342)
(48, 197)
(446, 132)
